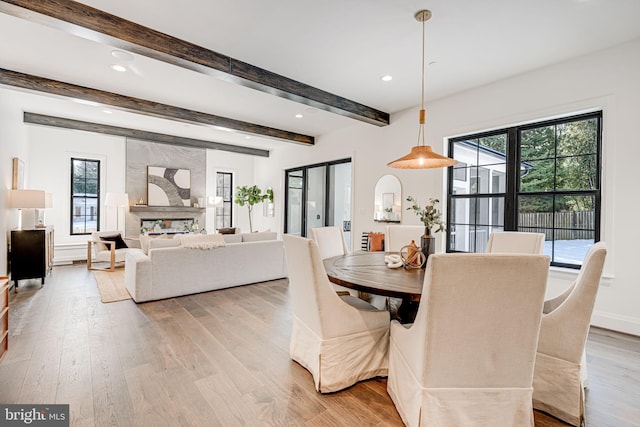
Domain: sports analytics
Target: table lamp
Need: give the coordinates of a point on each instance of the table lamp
(30, 203)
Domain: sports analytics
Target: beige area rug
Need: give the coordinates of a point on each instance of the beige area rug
(111, 285)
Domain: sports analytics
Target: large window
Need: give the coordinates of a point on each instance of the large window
(542, 177)
(85, 196)
(224, 189)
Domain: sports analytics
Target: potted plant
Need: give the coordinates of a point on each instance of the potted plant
(431, 217)
(250, 196)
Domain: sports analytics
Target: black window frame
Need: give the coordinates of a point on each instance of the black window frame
(227, 202)
(513, 176)
(84, 196)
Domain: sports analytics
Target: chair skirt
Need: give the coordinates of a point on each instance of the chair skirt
(338, 363)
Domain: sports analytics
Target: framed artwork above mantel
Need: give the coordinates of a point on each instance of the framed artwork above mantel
(168, 186)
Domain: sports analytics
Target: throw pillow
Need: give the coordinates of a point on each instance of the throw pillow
(230, 230)
(120, 244)
(376, 242)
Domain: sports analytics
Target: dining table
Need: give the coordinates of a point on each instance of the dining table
(368, 272)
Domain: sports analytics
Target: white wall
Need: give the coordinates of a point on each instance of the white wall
(606, 80)
(50, 153)
(241, 166)
(13, 143)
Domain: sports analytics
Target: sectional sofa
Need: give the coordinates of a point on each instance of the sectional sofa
(170, 268)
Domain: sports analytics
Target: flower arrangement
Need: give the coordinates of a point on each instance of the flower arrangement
(430, 216)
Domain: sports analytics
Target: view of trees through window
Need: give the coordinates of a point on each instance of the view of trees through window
(542, 177)
(85, 195)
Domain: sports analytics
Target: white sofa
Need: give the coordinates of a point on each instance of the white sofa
(170, 270)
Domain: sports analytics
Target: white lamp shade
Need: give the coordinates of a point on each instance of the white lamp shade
(34, 199)
(116, 199)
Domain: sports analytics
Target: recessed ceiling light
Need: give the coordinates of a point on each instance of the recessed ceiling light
(118, 67)
(107, 111)
(386, 78)
(299, 116)
(224, 129)
(122, 55)
(247, 137)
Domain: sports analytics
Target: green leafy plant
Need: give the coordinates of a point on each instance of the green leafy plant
(430, 216)
(249, 196)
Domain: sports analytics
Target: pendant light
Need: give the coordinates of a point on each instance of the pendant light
(421, 155)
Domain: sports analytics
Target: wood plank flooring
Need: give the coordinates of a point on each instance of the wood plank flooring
(218, 359)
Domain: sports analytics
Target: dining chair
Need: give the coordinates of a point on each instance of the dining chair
(330, 241)
(516, 242)
(397, 236)
(468, 357)
(339, 340)
(560, 373)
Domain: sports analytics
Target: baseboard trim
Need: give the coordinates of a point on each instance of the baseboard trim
(616, 322)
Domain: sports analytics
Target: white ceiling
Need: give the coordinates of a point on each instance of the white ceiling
(340, 46)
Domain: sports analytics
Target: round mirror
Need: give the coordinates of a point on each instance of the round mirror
(388, 199)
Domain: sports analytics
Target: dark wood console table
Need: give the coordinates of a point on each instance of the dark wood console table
(31, 254)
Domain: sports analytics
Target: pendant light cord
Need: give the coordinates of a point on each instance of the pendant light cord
(422, 110)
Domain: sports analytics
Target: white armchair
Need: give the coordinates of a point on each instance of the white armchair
(560, 370)
(339, 340)
(513, 242)
(468, 358)
(99, 249)
(397, 236)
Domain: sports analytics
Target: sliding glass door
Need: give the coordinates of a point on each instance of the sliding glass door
(317, 196)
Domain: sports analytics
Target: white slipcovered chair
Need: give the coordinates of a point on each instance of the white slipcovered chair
(330, 241)
(468, 358)
(397, 236)
(516, 242)
(339, 340)
(560, 370)
(101, 250)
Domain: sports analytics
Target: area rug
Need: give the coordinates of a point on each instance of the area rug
(111, 285)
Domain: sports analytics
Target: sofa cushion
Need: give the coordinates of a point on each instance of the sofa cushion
(120, 244)
(156, 243)
(232, 238)
(257, 237)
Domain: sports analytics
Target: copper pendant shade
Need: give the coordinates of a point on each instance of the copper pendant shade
(421, 155)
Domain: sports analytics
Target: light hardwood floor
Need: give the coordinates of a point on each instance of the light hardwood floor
(218, 359)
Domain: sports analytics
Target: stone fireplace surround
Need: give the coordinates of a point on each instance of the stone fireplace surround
(139, 155)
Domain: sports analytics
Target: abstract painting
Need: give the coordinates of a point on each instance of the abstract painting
(168, 187)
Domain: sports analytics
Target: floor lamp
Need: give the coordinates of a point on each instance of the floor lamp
(117, 200)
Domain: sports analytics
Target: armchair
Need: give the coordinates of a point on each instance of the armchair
(106, 246)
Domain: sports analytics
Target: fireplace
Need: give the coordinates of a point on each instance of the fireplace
(167, 225)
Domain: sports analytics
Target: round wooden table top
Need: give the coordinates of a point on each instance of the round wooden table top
(367, 272)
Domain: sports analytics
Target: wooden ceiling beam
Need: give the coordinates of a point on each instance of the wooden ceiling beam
(160, 138)
(142, 106)
(81, 20)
